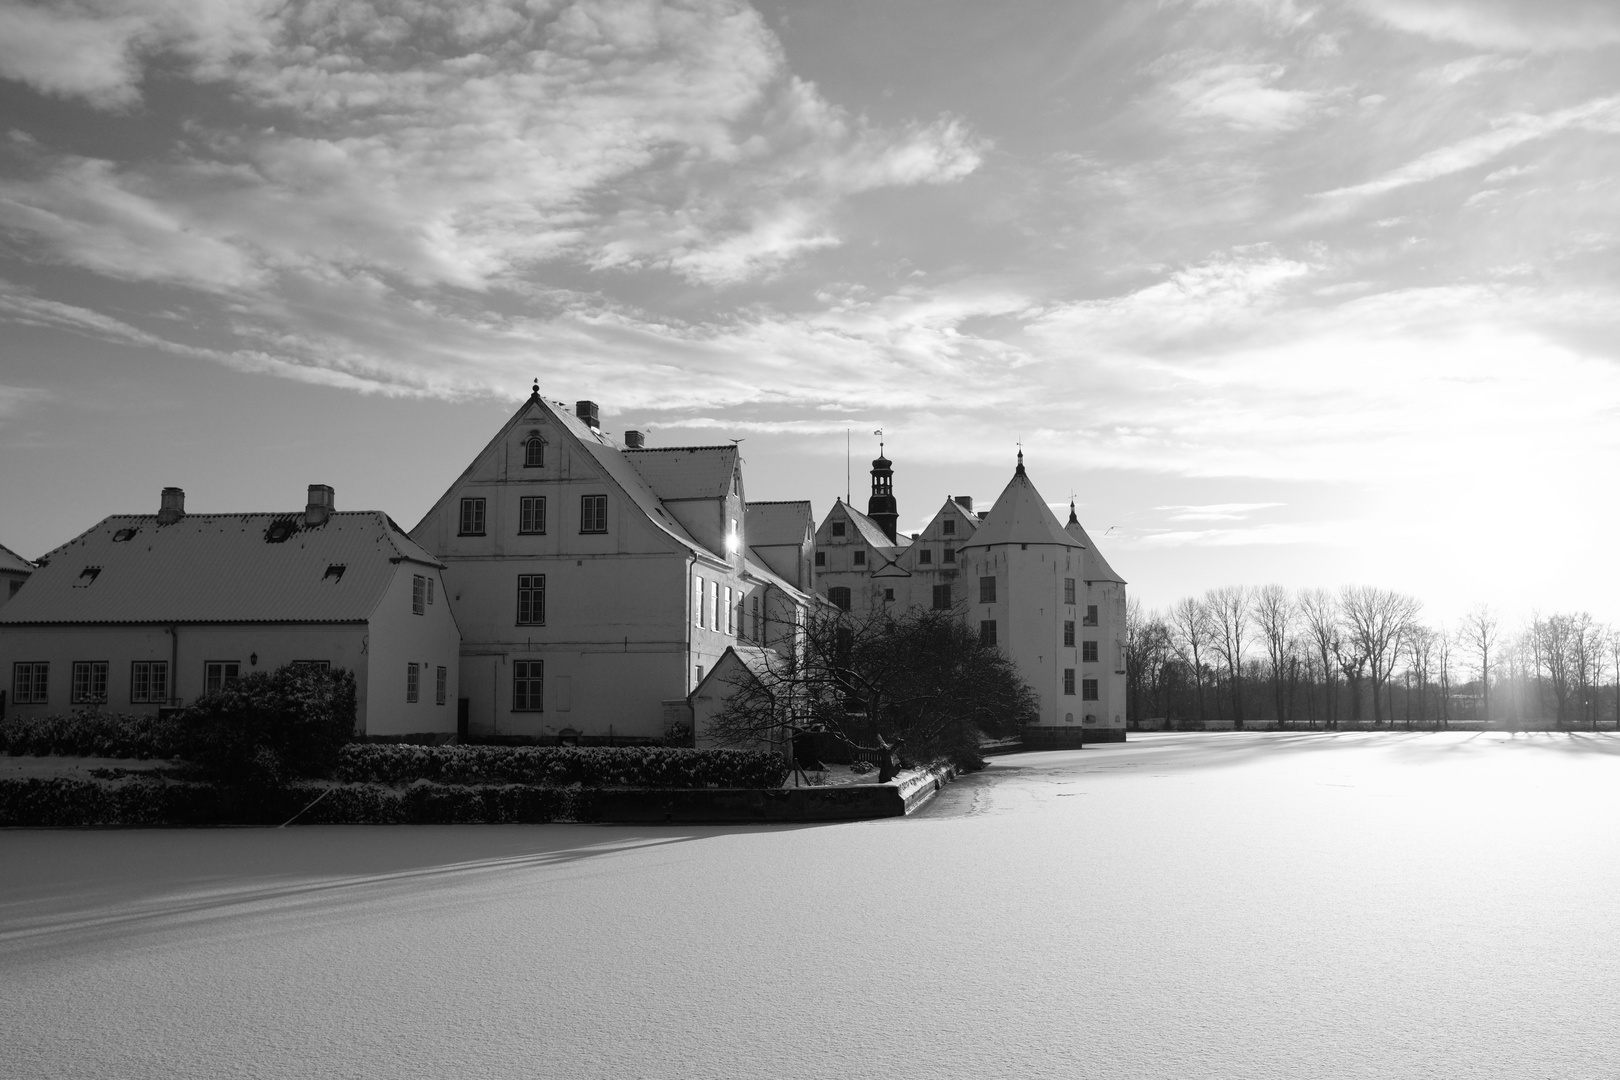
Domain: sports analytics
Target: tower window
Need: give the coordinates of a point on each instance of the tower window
(1068, 590)
(1088, 652)
(1068, 633)
(1068, 681)
(987, 590)
(1091, 615)
(1088, 690)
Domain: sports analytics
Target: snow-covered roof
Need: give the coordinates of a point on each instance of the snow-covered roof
(871, 532)
(755, 659)
(1096, 567)
(686, 472)
(1020, 516)
(757, 569)
(767, 524)
(262, 567)
(14, 563)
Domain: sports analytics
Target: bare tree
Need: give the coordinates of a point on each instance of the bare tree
(1421, 645)
(1274, 613)
(1378, 619)
(1191, 633)
(1228, 608)
(1479, 631)
(1321, 614)
(1442, 650)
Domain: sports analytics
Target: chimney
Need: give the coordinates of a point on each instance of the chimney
(586, 411)
(171, 506)
(634, 440)
(320, 506)
(964, 501)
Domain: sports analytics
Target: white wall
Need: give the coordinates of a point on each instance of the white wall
(398, 637)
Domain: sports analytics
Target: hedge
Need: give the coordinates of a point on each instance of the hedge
(90, 734)
(37, 802)
(562, 766)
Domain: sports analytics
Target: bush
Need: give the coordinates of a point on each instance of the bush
(267, 728)
(561, 766)
(91, 734)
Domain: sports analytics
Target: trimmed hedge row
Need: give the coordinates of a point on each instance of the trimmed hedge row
(36, 802)
(91, 734)
(561, 766)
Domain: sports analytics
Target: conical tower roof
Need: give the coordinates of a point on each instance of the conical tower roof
(1021, 516)
(1096, 567)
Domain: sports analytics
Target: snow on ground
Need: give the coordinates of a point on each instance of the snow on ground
(1183, 905)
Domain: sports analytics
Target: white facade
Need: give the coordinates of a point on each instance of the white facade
(1044, 592)
(146, 612)
(595, 585)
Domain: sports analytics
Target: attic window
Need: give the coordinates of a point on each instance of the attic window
(534, 452)
(278, 532)
(838, 528)
(335, 571)
(948, 527)
(87, 576)
(124, 534)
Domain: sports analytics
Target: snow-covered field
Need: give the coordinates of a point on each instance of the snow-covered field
(1217, 905)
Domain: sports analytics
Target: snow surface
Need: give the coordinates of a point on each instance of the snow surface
(1217, 905)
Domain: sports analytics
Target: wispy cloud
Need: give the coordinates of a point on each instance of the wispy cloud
(1550, 26)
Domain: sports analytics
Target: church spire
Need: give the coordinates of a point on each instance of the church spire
(1073, 520)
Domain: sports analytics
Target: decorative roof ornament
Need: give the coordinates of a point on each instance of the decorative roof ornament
(1020, 470)
(536, 391)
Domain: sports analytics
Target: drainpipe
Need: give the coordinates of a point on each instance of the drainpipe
(174, 665)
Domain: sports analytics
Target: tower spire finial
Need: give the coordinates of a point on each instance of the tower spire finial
(536, 390)
(1020, 470)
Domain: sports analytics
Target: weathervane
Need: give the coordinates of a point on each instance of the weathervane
(879, 434)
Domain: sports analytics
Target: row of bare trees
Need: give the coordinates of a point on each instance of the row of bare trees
(1243, 656)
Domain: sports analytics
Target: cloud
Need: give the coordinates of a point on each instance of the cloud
(1241, 97)
(1554, 25)
(1512, 131)
(1216, 511)
(466, 145)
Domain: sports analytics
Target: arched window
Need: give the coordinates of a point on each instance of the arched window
(534, 453)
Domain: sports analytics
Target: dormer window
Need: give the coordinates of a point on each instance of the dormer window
(278, 532)
(123, 535)
(534, 452)
(334, 572)
(87, 577)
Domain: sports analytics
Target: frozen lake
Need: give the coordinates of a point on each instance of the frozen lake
(1215, 905)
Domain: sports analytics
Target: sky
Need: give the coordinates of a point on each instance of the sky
(1275, 290)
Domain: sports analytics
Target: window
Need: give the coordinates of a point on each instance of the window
(87, 577)
(534, 453)
(925, 556)
(860, 558)
(149, 682)
(418, 594)
(1068, 633)
(1088, 652)
(218, 674)
(1068, 681)
(888, 594)
(759, 629)
(716, 620)
(697, 603)
(1091, 615)
(839, 597)
(531, 600)
(28, 681)
(335, 572)
(821, 558)
(430, 590)
(1088, 689)
(528, 680)
(942, 597)
(123, 536)
(838, 528)
(987, 632)
(532, 514)
(948, 528)
(89, 682)
(472, 517)
(731, 613)
(441, 684)
(950, 554)
(987, 590)
(413, 683)
(593, 513)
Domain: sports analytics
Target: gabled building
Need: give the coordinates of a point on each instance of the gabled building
(14, 570)
(148, 611)
(1035, 588)
(596, 584)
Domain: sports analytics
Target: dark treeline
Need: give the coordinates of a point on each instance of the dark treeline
(1267, 657)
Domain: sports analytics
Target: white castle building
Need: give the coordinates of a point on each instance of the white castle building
(1033, 586)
